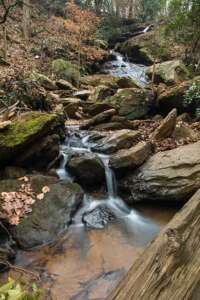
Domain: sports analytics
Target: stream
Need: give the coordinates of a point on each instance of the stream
(88, 261)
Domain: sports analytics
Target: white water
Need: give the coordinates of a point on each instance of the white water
(121, 67)
(147, 29)
(78, 142)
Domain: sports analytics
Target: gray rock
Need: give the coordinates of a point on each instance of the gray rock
(131, 158)
(98, 218)
(120, 139)
(87, 169)
(167, 176)
(52, 215)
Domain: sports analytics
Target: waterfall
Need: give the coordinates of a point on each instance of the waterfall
(121, 67)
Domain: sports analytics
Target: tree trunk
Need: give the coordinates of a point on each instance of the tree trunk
(5, 44)
(26, 19)
(169, 267)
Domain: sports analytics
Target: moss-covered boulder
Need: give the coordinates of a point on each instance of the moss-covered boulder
(66, 70)
(174, 97)
(145, 48)
(169, 72)
(28, 137)
(44, 81)
(131, 103)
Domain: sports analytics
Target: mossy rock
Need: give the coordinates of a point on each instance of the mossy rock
(66, 70)
(169, 72)
(24, 130)
(132, 103)
(100, 79)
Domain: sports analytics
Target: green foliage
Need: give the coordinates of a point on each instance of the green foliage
(14, 291)
(184, 20)
(150, 9)
(66, 70)
(192, 98)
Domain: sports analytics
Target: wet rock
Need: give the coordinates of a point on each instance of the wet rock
(97, 108)
(121, 139)
(131, 158)
(131, 103)
(52, 215)
(27, 138)
(173, 97)
(98, 119)
(169, 72)
(87, 169)
(167, 176)
(166, 127)
(65, 85)
(98, 218)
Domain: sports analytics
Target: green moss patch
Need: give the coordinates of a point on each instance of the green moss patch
(24, 127)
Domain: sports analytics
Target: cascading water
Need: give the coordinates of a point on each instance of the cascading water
(121, 67)
(78, 142)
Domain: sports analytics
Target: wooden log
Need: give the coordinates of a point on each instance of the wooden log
(169, 268)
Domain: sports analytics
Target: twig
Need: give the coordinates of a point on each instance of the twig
(20, 269)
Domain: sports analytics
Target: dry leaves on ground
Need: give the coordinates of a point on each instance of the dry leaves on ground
(19, 203)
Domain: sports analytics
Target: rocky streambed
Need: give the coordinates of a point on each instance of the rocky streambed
(86, 185)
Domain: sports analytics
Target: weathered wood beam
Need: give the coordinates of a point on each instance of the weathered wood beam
(169, 268)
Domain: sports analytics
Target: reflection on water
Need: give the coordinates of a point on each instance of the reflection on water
(87, 264)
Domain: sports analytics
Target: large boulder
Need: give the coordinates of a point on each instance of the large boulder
(169, 72)
(88, 169)
(132, 103)
(66, 70)
(173, 97)
(145, 48)
(51, 216)
(120, 139)
(131, 158)
(32, 138)
(167, 176)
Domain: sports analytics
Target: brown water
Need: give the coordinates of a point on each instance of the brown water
(87, 264)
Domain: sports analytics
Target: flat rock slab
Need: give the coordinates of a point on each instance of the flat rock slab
(172, 175)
